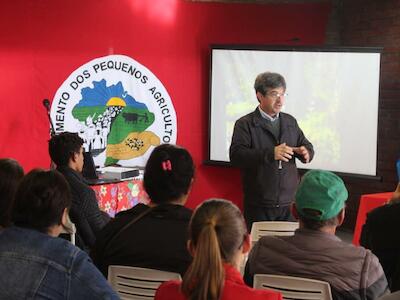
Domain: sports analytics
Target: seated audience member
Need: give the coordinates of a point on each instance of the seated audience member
(314, 251)
(380, 235)
(155, 235)
(10, 175)
(218, 242)
(34, 263)
(66, 151)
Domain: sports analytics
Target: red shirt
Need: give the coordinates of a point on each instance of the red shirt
(234, 288)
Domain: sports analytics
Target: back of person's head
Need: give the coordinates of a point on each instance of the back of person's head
(63, 146)
(168, 173)
(320, 197)
(267, 81)
(217, 231)
(11, 173)
(41, 199)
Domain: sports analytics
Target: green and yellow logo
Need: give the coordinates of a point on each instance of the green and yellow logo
(118, 107)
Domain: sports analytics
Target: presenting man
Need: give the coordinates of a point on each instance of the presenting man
(264, 146)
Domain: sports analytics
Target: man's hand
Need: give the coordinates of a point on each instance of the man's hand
(303, 152)
(283, 152)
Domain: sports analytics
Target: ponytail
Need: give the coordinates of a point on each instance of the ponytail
(216, 232)
(205, 277)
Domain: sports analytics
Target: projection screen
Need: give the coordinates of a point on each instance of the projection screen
(333, 93)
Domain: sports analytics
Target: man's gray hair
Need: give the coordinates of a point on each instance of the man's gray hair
(315, 224)
(268, 80)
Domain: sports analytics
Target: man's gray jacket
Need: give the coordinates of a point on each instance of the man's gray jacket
(353, 272)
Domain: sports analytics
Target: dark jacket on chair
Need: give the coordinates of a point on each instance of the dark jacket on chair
(380, 234)
(85, 211)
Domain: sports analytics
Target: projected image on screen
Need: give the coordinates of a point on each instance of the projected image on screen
(333, 96)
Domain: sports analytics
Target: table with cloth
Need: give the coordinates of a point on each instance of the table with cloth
(115, 197)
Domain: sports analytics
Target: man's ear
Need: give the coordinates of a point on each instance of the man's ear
(293, 210)
(246, 244)
(64, 217)
(341, 216)
(74, 157)
(190, 186)
(259, 95)
(190, 248)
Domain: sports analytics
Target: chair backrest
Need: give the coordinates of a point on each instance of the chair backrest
(259, 229)
(294, 287)
(137, 283)
(70, 229)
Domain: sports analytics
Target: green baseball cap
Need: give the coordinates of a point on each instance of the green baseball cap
(323, 191)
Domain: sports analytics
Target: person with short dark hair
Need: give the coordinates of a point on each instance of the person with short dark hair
(314, 251)
(380, 235)
(153, 236)
(66, 152)
(34, 263)
(218, 242)
(264, 146)
(11, 173)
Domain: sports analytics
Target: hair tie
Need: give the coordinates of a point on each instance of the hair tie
(211, 222)
(166, 165)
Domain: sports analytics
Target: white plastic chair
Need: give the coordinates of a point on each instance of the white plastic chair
(137, 283)
(259, 229)
(70, 229)
(294, 287)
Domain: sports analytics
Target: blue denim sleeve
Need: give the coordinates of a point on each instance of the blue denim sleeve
(87, 282)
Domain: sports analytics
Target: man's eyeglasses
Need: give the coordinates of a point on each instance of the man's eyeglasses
(275, 95)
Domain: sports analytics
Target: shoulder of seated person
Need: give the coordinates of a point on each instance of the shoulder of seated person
(392, 204)
(394, 201)
(137, 209)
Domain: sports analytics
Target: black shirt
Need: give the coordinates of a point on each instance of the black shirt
(85, 212)
(156, 241)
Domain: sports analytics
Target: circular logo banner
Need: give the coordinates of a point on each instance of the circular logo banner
(118, 107)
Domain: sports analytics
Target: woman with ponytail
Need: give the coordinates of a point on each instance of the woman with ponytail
(154, 235)
(218, 242)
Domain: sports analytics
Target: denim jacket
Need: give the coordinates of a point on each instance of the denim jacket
(34, 265)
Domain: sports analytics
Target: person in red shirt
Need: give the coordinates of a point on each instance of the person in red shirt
(218, 242)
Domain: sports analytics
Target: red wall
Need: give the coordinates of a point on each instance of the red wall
(42, 42)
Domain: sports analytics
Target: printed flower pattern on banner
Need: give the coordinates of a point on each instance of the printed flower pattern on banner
(116, 197)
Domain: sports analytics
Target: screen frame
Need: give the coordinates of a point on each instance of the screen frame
(211, 162)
